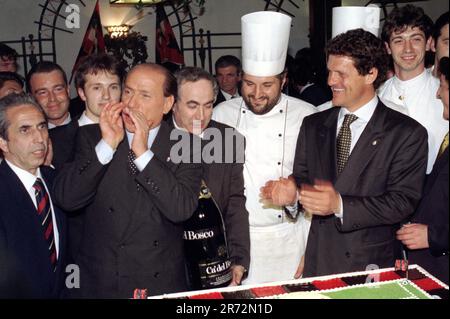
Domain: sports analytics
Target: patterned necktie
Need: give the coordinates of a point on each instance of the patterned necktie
(131, 165)
(444, 145)
(45, 216)
(343, 142)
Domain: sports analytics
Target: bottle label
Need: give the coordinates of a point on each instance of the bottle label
(198, 235)
(215, 274)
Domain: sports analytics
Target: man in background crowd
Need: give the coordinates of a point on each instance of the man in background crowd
(47, 82)
(8, 58)
(228, 75)
(440, 41)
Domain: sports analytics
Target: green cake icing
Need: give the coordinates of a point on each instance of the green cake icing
(399, 289)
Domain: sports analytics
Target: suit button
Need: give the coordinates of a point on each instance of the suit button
(147, 180)
(156, 275)
(156, 243)
(111, 210)
(347, 254)
(279, 163)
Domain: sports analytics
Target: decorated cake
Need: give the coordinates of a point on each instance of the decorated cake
(386, 283)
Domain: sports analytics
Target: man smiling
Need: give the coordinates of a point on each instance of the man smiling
(407, 36)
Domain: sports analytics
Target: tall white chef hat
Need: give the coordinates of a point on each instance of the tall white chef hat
(265, 39)
(349, 18)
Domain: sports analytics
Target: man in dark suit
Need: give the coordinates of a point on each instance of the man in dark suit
(135, 196)
(427, 234)
(228, 74)
(32, 229)
(98, 81)
(360, 167)
(192, 112)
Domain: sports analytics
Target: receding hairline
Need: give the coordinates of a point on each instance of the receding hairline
(151, 67)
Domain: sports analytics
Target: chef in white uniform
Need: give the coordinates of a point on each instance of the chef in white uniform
(270, 122)
(412, 87)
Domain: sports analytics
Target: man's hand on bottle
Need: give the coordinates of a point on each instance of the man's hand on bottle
(237, 272)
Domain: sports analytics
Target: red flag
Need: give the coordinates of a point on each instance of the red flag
(167, 49)
(93, 41)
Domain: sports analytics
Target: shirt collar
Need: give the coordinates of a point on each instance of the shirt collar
(84, 120)
(410, 83)
(364, 113)
(66, 121)
(25, 177)
(183, 129)
(151, 136)
(229, 96)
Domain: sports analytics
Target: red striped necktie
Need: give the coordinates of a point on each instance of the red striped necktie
(45, 217)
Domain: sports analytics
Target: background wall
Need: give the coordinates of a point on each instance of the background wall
(18, 18)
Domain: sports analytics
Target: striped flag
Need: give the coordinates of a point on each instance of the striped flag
(168, 52)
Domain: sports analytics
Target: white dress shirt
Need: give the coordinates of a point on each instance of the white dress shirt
(364, 115)
(84, 120)
(229, 96)
(66, 121)
(28, 181)
(105, 153)
(418, 96)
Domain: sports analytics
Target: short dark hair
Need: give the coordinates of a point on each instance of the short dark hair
(44, 67)
(403, 17)
(194, 74)
(7, 52)
(93, 64)
(444, 67)
(10, 76)
(441, 22)
(366, 50)
(228, 60)
(14, 100)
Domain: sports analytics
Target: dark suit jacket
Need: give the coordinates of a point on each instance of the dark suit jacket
(433, 211)
(63, 140)
(380, 187)
(25, 269)
(316, 95)
(132, 235)
(226, 183)
(220, 98)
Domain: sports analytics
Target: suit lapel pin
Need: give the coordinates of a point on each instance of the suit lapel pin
(168, 159)
(374, 143)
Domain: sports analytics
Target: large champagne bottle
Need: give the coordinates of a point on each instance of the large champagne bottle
(207, 258)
